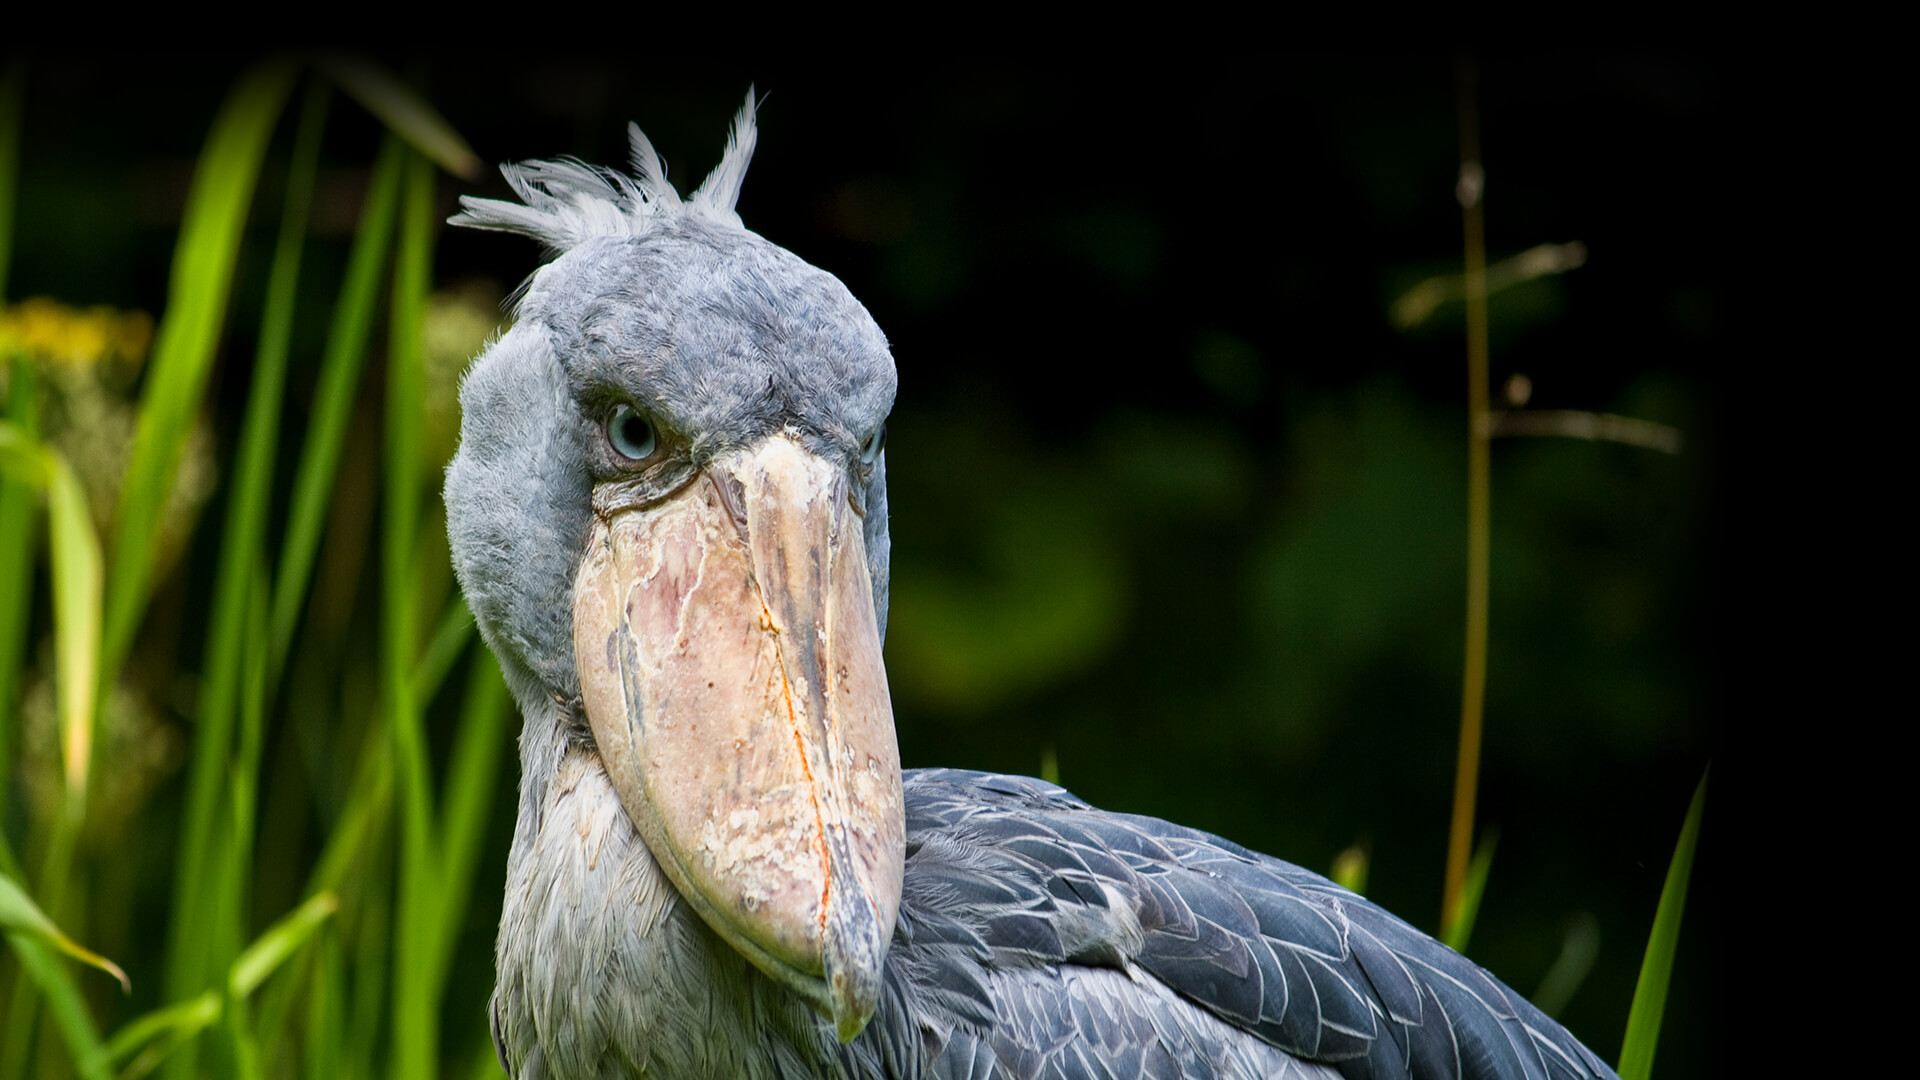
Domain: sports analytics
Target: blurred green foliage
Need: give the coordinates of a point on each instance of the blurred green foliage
(1176, 508)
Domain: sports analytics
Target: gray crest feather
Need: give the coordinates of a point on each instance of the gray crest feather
(565, 202)
(722, 187)
(651, 173)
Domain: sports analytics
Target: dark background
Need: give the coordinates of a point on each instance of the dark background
(1174, 505)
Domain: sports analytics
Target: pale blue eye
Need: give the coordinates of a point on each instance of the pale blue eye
(631, 434)
(876, 442)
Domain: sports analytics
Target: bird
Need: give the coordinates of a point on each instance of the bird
(668, 515)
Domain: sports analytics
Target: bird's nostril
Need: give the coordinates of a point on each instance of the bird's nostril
(733, 497)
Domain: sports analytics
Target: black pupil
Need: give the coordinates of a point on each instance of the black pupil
(633, 431)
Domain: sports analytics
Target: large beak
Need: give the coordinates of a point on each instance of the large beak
(730, 665)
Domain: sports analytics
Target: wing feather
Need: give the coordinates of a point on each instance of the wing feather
(1085, 943)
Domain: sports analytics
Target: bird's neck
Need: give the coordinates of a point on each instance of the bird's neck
(548, 728)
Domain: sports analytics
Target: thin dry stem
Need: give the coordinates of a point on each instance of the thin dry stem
(1575, 424)
(1479, 503)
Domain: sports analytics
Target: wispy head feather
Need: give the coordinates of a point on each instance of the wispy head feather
(721, 190)
(567, 202)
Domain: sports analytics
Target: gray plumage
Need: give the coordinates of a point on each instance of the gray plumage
(1037, 936)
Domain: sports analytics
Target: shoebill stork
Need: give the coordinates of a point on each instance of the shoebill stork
(669, 514)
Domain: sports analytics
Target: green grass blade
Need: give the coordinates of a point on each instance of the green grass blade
(1578, 950)
(31, 934)
(1459, 931)
(64, 1004)
(245, 784)
(22, 457)
(354, 841)
(415, 1019)
(278, 1003)
(448, 641)
(355, 837)
(9, 866)
(18, 509)
(159, 1032)
(75, 559)
(245, 1054)
(472, 778)
(1656, 971)
(368, 802)
(20, 915)
(280, 941)
(403, 110)
(333, 396)
(23, 1006)
(74, 552)
(326, 1013)
(266, 955)
(185, 341)
(56, 877)
(368, 1018)
(1350, 869)
(16, 498)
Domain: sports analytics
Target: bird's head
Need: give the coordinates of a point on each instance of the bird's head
(668, 513)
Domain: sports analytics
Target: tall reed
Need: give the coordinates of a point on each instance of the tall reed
(361, 962)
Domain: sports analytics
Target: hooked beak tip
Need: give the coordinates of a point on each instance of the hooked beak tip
(848, 1025)
(855, 953)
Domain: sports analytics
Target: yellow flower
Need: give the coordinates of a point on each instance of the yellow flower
(54, 333)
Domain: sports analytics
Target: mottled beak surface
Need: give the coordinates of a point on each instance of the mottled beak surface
(730, 664)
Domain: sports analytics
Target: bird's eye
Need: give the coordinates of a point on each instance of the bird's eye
(631, 433)
(876, 442)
